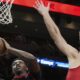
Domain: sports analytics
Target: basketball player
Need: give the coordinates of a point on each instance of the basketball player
(25, 67)
(71, 53)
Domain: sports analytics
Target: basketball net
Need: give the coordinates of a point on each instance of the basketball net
(5, 11)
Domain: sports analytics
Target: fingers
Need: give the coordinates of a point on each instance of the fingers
(37, 4)
(6, 43)
(40, 7)
(41, 2)
(48, 5)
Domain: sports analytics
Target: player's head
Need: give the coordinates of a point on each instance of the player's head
(19, 66)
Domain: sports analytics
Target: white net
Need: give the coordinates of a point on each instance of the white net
(5, 11)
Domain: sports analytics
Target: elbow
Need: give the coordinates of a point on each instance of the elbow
(34, 59)
(31, 56)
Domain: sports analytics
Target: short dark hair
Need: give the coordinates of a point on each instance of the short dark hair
(18, 59)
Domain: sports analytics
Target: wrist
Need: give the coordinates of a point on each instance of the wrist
(45, 14)
(9, 49)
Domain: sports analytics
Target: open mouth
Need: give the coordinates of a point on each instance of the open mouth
(17, 68)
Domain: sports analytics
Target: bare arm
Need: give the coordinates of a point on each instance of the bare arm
(60, 42)
(17, 52)
(21, 53)
(54, 31)
(28, 57)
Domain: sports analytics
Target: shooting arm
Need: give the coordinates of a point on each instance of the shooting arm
(21, 53)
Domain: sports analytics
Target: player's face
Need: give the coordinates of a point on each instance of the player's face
(19, 66)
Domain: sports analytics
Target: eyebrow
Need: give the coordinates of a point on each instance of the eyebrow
(17, 61)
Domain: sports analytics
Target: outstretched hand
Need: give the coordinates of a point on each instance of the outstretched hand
(3, 46)
(7, 46)
(41, 8)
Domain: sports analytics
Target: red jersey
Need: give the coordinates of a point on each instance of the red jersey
(73, 74)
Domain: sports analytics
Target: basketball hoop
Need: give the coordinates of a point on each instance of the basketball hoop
(5, 13)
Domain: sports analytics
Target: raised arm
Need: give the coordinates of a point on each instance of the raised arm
(17, 52)
(54, 31)
(28, 57)
(35, 68)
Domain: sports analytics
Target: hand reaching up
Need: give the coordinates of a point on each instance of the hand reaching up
(41, 8)
(7, 45)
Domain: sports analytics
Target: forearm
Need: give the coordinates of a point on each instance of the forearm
(36, 71)
(20, 53)
(51, 26)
